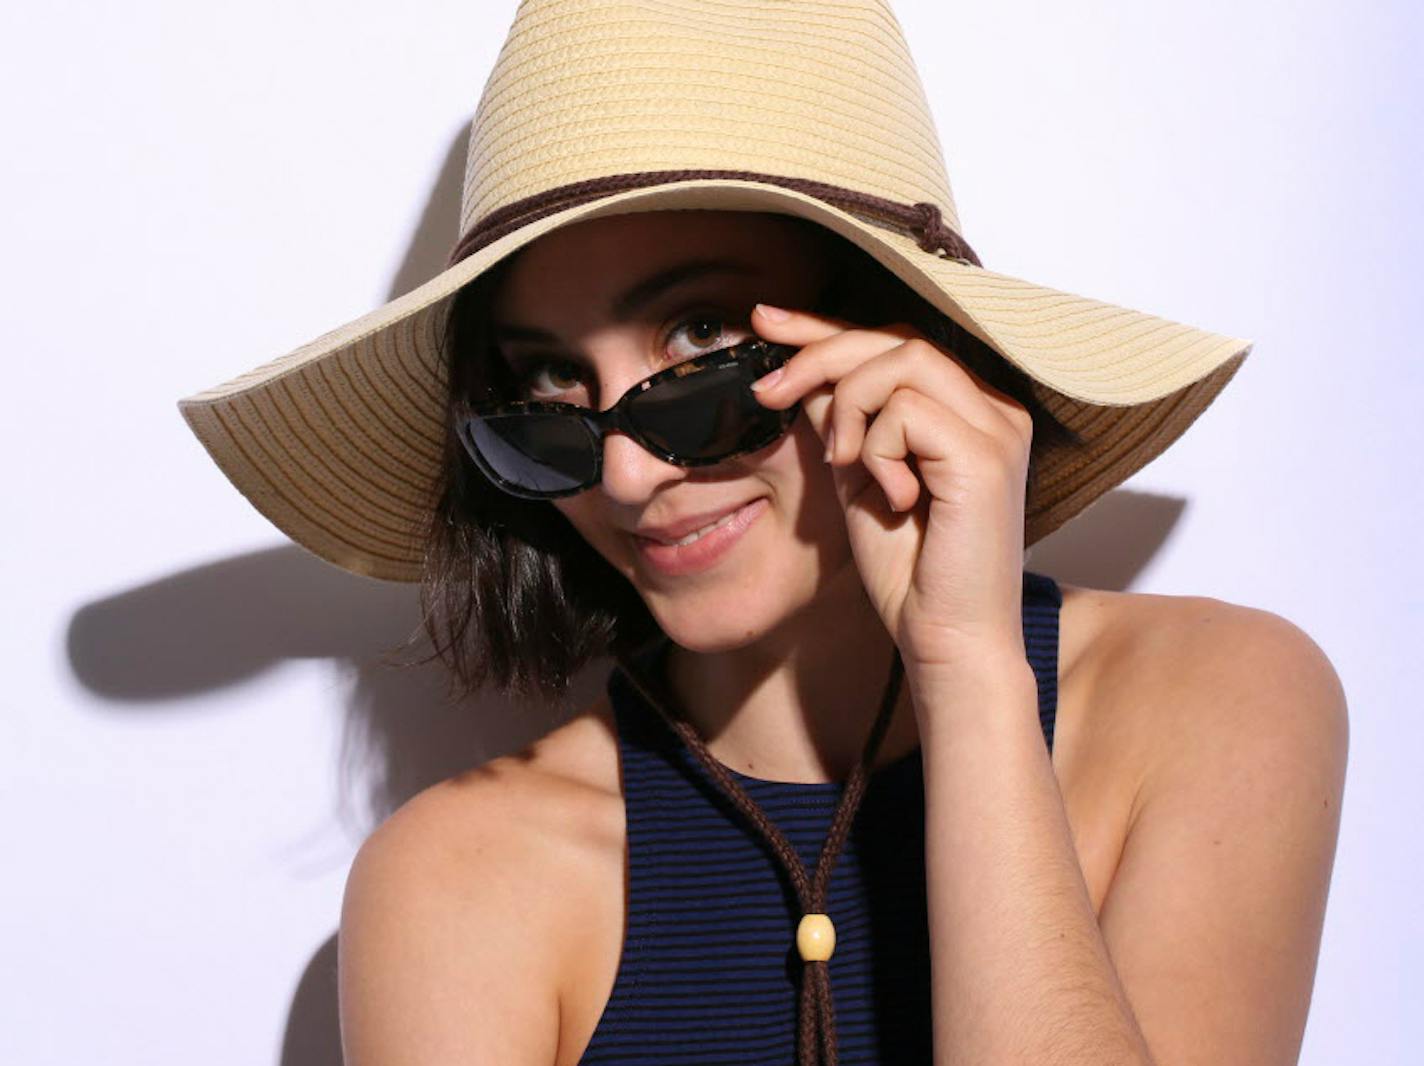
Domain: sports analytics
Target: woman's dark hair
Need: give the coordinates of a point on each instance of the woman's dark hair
(511, 592)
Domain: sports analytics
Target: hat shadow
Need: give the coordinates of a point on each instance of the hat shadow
(218, 626)
(1110, 543)
(438, 227)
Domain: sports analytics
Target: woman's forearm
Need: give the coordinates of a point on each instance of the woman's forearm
(1021, 973)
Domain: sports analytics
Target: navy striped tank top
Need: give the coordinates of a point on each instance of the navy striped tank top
(709, 971)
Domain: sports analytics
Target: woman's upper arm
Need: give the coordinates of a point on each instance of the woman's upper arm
(438, 955)
(1214, 916)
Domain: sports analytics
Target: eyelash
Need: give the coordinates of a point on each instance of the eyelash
(536, 366)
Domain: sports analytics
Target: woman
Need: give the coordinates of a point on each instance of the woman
(1072, 826)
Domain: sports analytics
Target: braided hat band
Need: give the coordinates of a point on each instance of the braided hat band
(923, 220)
(810, 108)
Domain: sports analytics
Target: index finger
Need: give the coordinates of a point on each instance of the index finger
(829, 348)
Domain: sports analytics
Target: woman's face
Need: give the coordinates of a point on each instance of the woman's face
(586, 312)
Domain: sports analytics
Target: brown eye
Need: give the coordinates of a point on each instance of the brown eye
(548, 379)
(704, 332)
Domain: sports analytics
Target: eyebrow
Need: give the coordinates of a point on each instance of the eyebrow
(637, 297)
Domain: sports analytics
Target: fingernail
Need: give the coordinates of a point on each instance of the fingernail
(830, 443)
(768, 380)
(774, 314)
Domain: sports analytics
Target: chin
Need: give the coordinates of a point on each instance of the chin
(711, 634)
(723, 616)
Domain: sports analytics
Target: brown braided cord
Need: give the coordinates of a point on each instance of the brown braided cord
(923, 219)
(815, 1010)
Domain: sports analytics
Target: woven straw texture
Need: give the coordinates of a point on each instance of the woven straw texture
(339, 441)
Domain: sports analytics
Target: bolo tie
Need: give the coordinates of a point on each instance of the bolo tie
(815, 934)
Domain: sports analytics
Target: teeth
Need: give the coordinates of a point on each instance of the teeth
(695, 534)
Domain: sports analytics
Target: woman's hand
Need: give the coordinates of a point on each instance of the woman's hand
(930, 464)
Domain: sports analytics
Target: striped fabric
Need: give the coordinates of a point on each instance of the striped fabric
(709, 966)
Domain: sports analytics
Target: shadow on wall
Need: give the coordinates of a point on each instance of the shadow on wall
(222, 624)
(215, 626)
(313, 1033)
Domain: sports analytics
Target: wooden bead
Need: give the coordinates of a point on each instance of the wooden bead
(815, 937)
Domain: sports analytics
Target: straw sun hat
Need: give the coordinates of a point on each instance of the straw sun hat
(602, 107)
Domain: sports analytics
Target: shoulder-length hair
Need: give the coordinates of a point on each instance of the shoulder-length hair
(510, 592)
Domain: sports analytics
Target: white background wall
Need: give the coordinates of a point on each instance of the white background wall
(195, 734)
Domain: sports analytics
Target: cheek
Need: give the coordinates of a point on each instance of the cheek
(820, 518)
(584, 519)
(786, 460)
(802, 449)
(803, 491)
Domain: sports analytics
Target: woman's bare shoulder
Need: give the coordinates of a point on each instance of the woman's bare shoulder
(1121, 636)
(1159, 689)
(1217, 893)
(535, 807)
(1165, 671)
(460, 898)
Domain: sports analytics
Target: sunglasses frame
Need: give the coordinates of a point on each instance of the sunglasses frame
(754, 358)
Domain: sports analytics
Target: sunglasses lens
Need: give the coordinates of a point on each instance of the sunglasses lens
(540, 453)
(706, 415)
(703, 414)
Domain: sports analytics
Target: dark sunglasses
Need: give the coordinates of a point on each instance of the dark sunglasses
(697, 413)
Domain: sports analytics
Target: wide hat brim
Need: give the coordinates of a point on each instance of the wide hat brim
(340, 442)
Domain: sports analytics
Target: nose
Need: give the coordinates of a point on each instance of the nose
(631, 473)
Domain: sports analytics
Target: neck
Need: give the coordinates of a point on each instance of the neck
(798, 703)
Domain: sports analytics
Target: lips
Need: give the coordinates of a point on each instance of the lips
(704, 551)
(672, 532)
